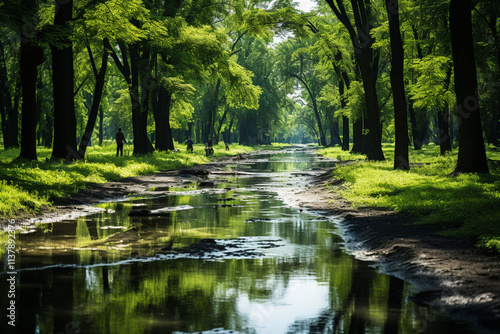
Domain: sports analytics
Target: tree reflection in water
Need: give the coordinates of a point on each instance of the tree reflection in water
(116, 284)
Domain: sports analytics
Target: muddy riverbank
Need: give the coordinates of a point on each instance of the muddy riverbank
(450, 275)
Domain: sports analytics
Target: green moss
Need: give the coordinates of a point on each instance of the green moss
(465, 206)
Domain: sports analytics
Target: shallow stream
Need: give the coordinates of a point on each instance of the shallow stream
(265, 268)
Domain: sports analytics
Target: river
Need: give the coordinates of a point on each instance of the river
(261, 266)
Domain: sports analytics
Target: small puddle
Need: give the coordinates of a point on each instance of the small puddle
(226, 256)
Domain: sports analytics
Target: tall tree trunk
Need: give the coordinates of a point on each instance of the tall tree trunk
(334, 128)
(142, 144)
(443, 121)
(444, 137)
(317, 115)
(368, 61)
(227, 132)
(101, 125)
(364, 137)
(357, 135)
(401, 159)
(29, 75)
(418, 139)
(344, 83)
(63, 80)
(221, 123)
(345, 133)
(471, 151)
(94, 110)
(212, 110)
(8, 113)
(49, 131)
(30, 57)
(164, 141)
(374, 135)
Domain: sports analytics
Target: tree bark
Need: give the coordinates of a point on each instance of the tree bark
(164, 141)
(130, 72)
(94, 110)
(368, 61)
(401, 159)
(334, 131)
(444, 137)
(345, 133)
(142, 144)
(29, 75)
(212, 110)
(344, 83)
(322, 138)
(221, 123)
(101, 125)
(357, 135)
(63, 80)
(9, 114)
(418, 129)
(471, 151)
(31, 56)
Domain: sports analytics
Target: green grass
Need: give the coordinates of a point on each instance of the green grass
(465, 206)
(27, 187)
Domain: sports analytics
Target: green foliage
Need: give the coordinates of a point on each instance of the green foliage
(464, 206)
(356, 102)
(430, 90)
(27, 187)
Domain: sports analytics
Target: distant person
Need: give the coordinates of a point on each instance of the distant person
(227, 147)
(209, 150)
(189, 143)
(120, 138)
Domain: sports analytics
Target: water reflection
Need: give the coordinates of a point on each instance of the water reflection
(114, 282)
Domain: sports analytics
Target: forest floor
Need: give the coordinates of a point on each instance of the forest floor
(454, 276)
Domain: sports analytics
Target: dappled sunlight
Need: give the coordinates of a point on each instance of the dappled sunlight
(464, 205)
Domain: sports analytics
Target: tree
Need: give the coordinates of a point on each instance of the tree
(401, 160)
(64, 146)
(368, 61)
(31, 57)
(297, 64)
(329, 42)
(471, 152)
(8, 109)
(429, 71)
(100, 77)
(132, 60)
(487, 47)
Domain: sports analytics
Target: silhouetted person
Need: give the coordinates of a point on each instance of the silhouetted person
(189, 143)
(120, 138)
(227, 147)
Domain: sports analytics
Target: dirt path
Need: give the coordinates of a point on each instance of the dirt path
(449, 275)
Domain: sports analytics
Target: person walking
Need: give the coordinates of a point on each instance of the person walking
(120, 139)
(189, 143)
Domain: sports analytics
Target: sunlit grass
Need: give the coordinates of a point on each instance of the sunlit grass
(466, 206)
(26, 187)
(337, 153)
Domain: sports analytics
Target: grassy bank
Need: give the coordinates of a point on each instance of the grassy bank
(465, 206)
(27, 187)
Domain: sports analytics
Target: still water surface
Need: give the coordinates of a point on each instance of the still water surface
(112, 273)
